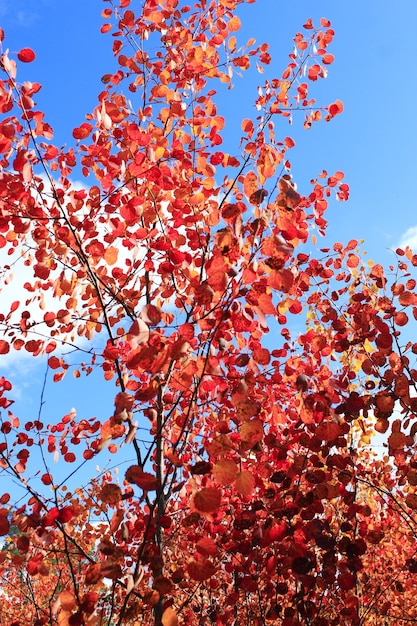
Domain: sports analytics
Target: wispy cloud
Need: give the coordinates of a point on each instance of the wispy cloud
(409, 238)
(16, 274)
(26, 18)
(23, 14)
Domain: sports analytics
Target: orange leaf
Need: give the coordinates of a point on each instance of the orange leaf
(67, 600)
(169, 617)
(247, 409)
(110, 494)
(232, 43)
(225, 471)
(328, 59)
(265, 303)
(110, 255)
(234, 24)
(281, 280)
(245, 483)
(250, 184)
(261, 356)
(252, 431)
(407, 298)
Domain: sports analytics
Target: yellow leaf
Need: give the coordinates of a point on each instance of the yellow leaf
(110, 255)
(232, 43)
(234, 24)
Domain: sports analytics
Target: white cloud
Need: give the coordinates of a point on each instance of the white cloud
(409, 238)
(26, 18)
(19, 13)
(15, 272)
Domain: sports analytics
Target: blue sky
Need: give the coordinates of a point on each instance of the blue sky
(373, 142)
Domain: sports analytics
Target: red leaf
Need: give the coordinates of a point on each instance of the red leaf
(51, 517)
(353, 261)
(206, 547)
(46, 479)
(328, 431)
(151, 314)
(207, 500)
(140, 331)
(401, 318)
(4, 347)
(200, 568)
(82, 131)
(26, 55)
(407, 298)
(4, 522)
(336, 108)
(93, 574)
(144, 480)
(328, 59)
(66, 514)
(67, 600)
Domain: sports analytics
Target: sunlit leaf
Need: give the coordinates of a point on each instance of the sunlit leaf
(245, 483)
(169, 617)
(225, 471)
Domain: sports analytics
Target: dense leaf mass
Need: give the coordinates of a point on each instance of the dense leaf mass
(182, 267)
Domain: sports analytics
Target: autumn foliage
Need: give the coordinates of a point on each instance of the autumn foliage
(251, 368)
